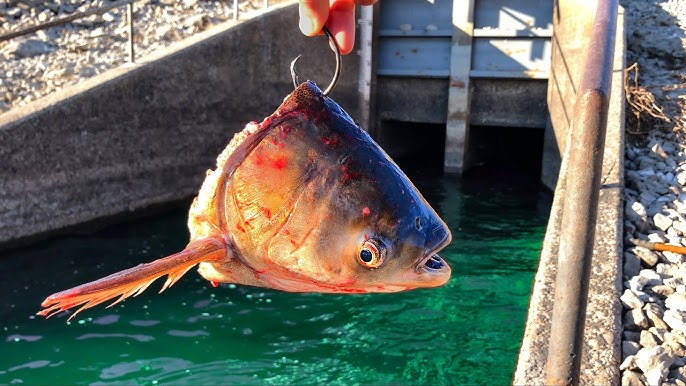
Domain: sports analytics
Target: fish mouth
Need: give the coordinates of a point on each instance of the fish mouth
(431, 262)
(432, 265)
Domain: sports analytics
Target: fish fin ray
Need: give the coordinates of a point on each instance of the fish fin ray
(133, 281)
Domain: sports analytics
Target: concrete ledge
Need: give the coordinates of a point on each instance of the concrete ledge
(602, 349)
(145, 135)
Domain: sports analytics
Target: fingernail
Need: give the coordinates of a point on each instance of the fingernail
(307, 25)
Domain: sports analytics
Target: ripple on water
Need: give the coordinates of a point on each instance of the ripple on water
(136, 337)
(24, 338)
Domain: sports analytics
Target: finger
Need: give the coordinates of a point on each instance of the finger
(341, 23)
(313, 15)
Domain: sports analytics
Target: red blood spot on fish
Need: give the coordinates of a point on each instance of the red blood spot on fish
(214, 284)
(366, 236)
(347, 174)
(279, 163)
(240, 228)
(267, 213)
(258, 159)
(330, 141)
(365, 211)
(293, 242)
(276, 143)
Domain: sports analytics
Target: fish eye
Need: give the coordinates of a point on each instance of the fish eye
(372, 253)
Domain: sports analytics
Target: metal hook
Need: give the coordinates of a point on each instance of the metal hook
(337, 73)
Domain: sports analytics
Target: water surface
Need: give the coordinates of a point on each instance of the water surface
(467, 332)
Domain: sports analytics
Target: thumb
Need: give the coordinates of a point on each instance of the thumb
(313, 15)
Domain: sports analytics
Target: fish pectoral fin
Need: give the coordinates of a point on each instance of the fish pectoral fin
(133, 281)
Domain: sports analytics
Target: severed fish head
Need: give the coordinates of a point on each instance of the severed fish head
(305, 202)
(312, 203)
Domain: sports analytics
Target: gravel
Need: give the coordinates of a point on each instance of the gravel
(37, 64)
(654, 299)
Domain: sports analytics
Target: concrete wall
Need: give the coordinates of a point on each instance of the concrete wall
(573, 22)
(145, 135)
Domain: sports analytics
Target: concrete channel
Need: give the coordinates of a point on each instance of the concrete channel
(143, 135)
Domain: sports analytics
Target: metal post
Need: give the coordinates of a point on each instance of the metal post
(582, 179)
(235, 10)
(129, 17)
(457, 121)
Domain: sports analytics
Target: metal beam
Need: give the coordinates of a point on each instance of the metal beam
(457, 125)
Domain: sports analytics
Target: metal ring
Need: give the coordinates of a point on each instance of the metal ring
(337, 73)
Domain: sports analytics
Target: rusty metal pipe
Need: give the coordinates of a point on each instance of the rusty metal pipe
(582, 179)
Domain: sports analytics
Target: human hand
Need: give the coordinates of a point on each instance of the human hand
(337, 15)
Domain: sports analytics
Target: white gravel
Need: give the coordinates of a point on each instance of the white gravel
(654, 338)
(35, 65)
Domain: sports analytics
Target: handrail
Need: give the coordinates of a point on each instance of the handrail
(579, 213)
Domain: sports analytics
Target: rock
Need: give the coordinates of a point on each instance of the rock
(675, 349)
(44, 16)
(632, 265)
(646, 255)
(665, 270)
(645, 278)
(657, 152)
(67, 8)
(675, 336)
(648, 340)
(629, 348)
(676, 301)
(674, 258)
(108, 17)
(632, 336)
(681, 178)
(656, 237)
(663, 290)
(632, 378)
(655, 315)
(629, 363)
(630, 300)
(635, 211)
(659, 333)
(635, 320)
(30, 48)
(655, 208)
(661, 221)
(679, 226)
(648, 297)
(674, 318)
(673, 281)
(655, 363)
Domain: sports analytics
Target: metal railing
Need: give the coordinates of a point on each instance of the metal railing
(98, 11)
(579, 213)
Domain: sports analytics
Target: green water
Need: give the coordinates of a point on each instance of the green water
(467, 332)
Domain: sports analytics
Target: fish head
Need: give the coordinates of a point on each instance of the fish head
(315, 205)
